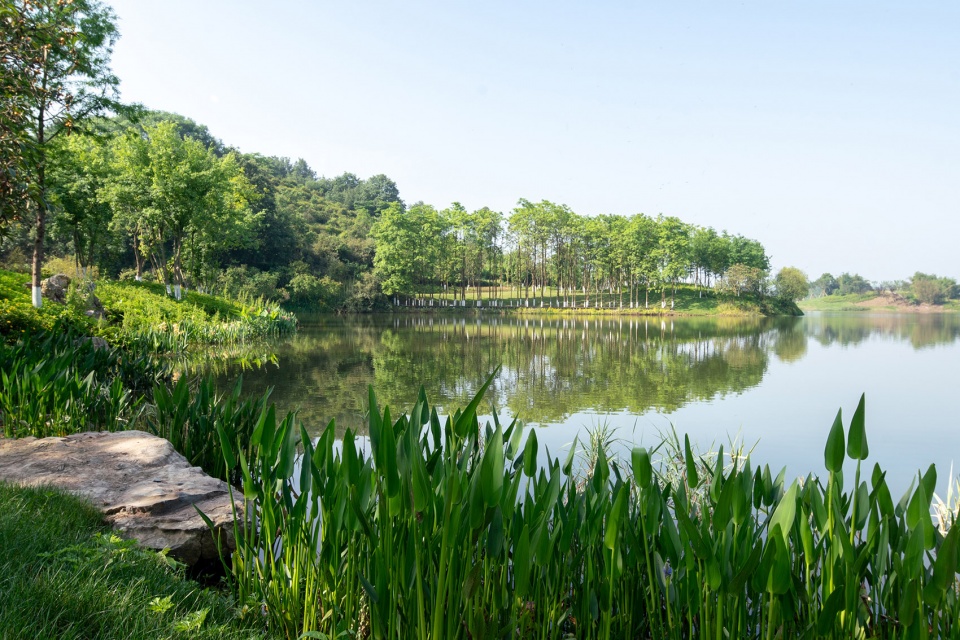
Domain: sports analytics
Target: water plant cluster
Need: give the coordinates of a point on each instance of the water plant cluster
(443, 528)
(195, 419)
(60, 383)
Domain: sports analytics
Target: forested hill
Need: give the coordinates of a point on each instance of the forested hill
(162, 198)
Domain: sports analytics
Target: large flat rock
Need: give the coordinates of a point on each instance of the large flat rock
(145, 489)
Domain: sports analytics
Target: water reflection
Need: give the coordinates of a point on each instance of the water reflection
(553, 367)
(920, 330)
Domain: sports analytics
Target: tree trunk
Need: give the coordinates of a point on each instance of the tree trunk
(41, 209)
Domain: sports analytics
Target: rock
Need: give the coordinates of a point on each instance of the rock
(146, 490)
(55, 287)
(95, 308)
(97, 342)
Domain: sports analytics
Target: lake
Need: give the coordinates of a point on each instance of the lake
(774, 384)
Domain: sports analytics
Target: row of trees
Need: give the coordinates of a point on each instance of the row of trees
(543, 246)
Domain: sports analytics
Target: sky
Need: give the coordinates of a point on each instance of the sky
(828, 131)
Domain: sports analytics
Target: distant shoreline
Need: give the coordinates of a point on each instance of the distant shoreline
(874, 302)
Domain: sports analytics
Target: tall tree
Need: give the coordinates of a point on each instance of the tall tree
(79, 170)
(791, 284)
(67, 80)
(176, 194)
(18, 53)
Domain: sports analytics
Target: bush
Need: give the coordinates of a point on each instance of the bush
(309, 291)
(929, 289)
(249, 282)
(791, 284)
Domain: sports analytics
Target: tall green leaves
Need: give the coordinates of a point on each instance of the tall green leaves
(857, 440)
(431, 532)
(833, 453)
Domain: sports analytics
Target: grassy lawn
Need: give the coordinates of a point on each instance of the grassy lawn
(64, 575)
(851, 302)
(846, 302)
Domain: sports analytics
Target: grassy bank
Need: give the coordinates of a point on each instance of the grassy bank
(63, 575)
(873, 302)
(140, 311)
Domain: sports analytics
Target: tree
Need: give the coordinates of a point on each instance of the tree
(407, 246)
(825, 285)
(79, 172)
(740, 277)
(172, 192)
(855, 283)
(673, 254)
(19, 50)
(66, 79)
(929, 289)
(791, 284)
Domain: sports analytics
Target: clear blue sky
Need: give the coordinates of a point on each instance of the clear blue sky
(828, 131)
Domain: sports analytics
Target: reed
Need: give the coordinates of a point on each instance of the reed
(59, 383)
(440, 528)
(195, 419)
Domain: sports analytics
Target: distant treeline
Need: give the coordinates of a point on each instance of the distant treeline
(921, 288)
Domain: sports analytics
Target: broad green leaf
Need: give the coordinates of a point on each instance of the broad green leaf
(521, 562)
(374, 422)
(857, 441)
(828, 613)
(530, 454)
(693, 480)
(945, 566)
(785, 513)
(833, 453)
(614, 517)
(491, 470)
(642, 469)
(568, 463)
(464, 421)
(930, 483)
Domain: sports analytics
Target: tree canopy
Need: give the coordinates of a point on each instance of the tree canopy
(57, 57)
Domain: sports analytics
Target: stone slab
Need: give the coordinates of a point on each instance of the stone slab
(146, 490)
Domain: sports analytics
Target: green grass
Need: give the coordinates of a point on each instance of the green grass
(63, 575)
(847, 302)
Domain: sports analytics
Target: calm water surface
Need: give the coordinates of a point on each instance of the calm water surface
(774, 384)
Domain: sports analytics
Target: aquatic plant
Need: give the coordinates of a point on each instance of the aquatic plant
(195, 419)
(59, 383)
(437, 528)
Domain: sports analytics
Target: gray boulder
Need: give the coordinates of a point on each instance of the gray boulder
(145, 489)
(55, 288)
(95, 308)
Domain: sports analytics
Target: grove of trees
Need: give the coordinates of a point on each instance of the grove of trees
(545, 250)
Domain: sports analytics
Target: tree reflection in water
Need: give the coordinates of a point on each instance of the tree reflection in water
(551, 367)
